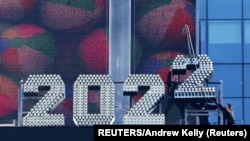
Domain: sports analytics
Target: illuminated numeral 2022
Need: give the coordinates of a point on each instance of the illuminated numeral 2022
(140, 113)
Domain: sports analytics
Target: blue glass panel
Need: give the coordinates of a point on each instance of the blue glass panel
(202, 9)
(224, 9)
(224, 31)
(225, 53)
(247, 81)
(231, 76)
(225, 41)
(203, 41)
(247, 111)
(246, 7)
(247, 41)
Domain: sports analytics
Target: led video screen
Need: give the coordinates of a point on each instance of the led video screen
(70, 38)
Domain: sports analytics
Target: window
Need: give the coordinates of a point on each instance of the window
(224, 41)
(246, 7)
(224, 9)
(246, 83)
(246, 41)
(203, 37)
(203, 9)
(246, 111)
(231, 75)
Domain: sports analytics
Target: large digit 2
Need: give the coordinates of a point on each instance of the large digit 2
(193, 87)
(141, 112)
(40, 114)
(81, 116)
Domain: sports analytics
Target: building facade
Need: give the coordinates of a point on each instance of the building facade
(224, 36)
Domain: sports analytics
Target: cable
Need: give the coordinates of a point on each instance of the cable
(189, 40)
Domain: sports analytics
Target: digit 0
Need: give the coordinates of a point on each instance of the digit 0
(80, 100)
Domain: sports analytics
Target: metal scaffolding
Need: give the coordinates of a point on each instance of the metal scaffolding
(197, 113)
